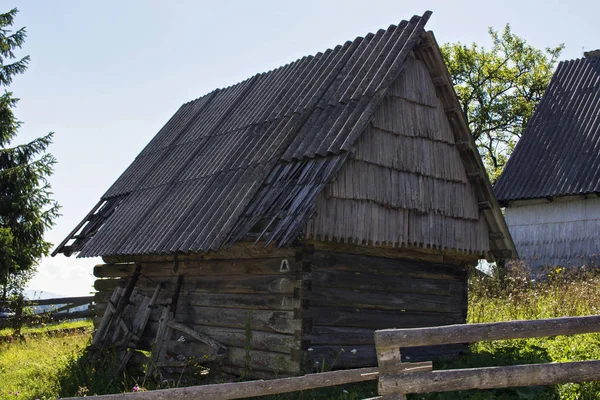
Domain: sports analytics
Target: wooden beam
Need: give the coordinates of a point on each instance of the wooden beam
(471, 333)
(485, 205)
(440, 81)
(475, 175)
(490, 377)
(242, 390)
(496, 235)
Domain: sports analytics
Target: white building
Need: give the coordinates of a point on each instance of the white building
(551, 184)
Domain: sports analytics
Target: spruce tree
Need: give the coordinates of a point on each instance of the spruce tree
(27, 209)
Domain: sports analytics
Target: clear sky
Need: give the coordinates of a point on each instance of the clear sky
(106, 75)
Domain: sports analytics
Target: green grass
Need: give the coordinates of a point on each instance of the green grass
(32, 366)
(45, 328)
(51, 364)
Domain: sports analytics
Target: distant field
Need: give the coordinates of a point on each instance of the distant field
(49, 363)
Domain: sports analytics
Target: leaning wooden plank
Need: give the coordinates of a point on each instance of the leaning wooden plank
(490, 377)
(242, 390)
(489, 331)
(219, 347)
(138, 326)
(107, 317)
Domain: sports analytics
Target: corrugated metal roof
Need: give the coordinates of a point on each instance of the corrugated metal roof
(559, 153)
(261, 149)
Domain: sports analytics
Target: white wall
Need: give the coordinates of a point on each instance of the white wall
(562, 232)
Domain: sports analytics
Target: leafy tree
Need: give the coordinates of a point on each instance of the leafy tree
(499, 89)
(26, 207)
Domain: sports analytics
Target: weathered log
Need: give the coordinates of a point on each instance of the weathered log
(263, 360)
(488, 331)
(106, 285)
(262, 320)
(412, 253)
(277, 342)
(216, 345)
(387, 266)
(260, 266)
(239, 250)
(363, 299)
(379, 319)
(490, 377)
(341, 335)
(244, 284)
(255, 301)
(242, 390)
(383, 282)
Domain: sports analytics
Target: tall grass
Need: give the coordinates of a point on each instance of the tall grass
(515, 295)
(31, 366)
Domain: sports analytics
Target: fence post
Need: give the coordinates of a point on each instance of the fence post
(18, 321)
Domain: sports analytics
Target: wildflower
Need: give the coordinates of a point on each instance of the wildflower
(309, 349)
(343, 351)
(353, 351)
(135, 388)
(345, 391)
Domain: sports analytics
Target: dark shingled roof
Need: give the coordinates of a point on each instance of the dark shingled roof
(559, 153)
(253, 152)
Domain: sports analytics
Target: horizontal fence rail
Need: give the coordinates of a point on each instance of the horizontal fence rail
(62, 312)
(242, 390)
(389, 341)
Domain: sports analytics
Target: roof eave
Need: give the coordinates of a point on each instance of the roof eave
(501, 242)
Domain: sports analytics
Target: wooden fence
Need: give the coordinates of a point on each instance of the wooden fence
(25, 314)
(396, 378)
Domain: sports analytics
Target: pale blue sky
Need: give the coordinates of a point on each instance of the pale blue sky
(106, 75)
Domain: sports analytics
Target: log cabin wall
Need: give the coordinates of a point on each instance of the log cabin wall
(404, 184)
(249, 305)
(353, 295)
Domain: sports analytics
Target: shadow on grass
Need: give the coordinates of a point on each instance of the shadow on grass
(501, 354)
(89, 375)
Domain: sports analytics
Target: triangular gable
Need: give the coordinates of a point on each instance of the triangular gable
(404, 185)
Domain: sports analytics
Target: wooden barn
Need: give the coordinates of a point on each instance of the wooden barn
(281, 220)
(551, 183)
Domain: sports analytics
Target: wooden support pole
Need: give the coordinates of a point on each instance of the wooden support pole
(242, 390)
(471, 333)
(490, 377)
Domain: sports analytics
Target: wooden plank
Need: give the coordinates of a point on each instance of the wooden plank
(262, 320)
(386, 266)
(243, 284)
(228, 300)
(336, 297)
(216, 345)
(242, 390)
(381, 282)
(405, 252)
(239, 250)
(74, 301)
(105, 285)
(261, 266)
(379, 319)
(488, 331)
(341, 335)
(258, 359)
(281, 343)
(490, 377)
